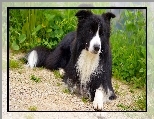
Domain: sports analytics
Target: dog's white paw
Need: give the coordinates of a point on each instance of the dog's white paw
(98, 100)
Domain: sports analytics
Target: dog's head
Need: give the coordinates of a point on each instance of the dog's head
(93, 30)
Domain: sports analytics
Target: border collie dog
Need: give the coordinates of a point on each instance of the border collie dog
(85, 56)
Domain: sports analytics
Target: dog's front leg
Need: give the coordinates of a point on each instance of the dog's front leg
(99, 99)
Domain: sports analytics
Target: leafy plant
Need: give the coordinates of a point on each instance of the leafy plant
(31, 27)
(129, 49)
(35, 79)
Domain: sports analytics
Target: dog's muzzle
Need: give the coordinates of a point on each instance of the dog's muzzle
(96, 48)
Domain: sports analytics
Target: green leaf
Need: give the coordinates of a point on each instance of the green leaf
(49, 30)
(126, 13)
(37, 29)
(54, 42)
(141, 70)
(61, 31)
(49, 17)
(15, 46)
(22, 38)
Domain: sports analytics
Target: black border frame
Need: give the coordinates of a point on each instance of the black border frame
(8, 8)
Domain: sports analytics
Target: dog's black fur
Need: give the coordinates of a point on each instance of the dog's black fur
(67, 53)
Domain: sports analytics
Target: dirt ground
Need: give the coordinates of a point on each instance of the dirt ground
(50, 94)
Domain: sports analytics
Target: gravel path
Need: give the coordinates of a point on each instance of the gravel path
(48, 95)
(22, 97)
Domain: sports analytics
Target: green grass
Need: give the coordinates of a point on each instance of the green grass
(35, 79)
(140, 102)
(124, 107)
(59, 84)
(85, 100)
(57, 74)
(67, 91)
(32, 108)
(116, 88)
(14, 64)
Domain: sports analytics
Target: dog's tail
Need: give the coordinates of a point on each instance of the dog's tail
(52, 59)
(37, 56)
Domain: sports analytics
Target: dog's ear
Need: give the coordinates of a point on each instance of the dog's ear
(83, 14)
(108, 15)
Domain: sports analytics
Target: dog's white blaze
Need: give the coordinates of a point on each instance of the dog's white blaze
(86, 65)
(95, 41)
(32, 59)
(99, 99)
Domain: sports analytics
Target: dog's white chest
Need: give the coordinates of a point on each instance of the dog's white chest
(86, 65)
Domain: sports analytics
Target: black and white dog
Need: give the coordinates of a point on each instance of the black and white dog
(85, 57)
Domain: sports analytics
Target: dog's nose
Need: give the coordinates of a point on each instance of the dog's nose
(96, 47)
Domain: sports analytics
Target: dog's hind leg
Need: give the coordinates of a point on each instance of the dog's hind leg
(58, 58)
